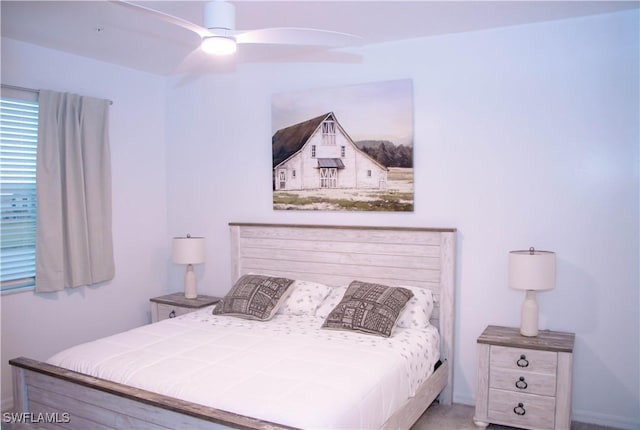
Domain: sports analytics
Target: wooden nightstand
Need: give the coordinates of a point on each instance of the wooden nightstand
(524, 381)
(172, 305)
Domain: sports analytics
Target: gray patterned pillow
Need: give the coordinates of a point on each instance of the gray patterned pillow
(368, 308)
(255, 297)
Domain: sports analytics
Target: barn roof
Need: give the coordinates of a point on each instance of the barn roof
(287, 141)
(330, 162)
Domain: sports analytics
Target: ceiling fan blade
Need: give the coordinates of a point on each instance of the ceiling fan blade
(201, 31)
(297, 36)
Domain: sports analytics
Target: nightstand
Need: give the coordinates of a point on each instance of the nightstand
(172, 305)
(524, 381)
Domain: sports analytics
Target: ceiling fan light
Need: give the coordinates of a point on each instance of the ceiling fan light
(219, 45)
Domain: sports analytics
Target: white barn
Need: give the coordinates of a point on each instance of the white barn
(318, 153)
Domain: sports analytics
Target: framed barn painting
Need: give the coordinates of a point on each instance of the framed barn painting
(344, 149)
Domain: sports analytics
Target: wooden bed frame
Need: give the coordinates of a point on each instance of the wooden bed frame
(333, 255)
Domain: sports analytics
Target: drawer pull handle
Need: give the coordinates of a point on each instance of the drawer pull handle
(521, 383)
(172, 314)
(519, 410)
(523, 362)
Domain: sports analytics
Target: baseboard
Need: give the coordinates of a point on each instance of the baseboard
(463, 400)
(589, 417)
(606, 420)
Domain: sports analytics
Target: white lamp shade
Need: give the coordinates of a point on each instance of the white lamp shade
(532, 270)
(188, 250)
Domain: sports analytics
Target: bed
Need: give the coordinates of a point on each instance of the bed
(416, 258)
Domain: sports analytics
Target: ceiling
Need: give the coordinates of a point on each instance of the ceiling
(110, 32)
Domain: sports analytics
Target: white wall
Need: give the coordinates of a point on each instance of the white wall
(525, 136)
(38, 325)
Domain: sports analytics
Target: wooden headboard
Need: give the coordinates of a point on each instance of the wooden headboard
(337, 255)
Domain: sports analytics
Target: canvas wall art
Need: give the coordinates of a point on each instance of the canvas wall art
(344, 149)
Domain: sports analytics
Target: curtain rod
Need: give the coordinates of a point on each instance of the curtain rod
(29, 90)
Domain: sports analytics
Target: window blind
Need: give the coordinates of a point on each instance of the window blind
(18, 208)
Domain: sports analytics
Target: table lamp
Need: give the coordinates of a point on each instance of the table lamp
(531, 271)
(189, 250)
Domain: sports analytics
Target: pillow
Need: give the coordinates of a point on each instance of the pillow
(418, 311)
(255, 297)
(330, 302)
(369, 308)
(305, 298)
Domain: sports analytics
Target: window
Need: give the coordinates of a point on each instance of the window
(343, 151)
(329, 132)
(328, 177)
(313, 151)
(18, 144)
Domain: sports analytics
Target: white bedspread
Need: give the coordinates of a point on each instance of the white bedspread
(287, 370)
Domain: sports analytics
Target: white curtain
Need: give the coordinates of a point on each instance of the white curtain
(74, 245)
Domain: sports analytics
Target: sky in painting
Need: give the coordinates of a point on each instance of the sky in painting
(378, 111)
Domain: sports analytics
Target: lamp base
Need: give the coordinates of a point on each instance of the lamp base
(190, 288)
(529, 316)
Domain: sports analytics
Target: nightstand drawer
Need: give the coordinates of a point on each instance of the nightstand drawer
(176, 304)
(525, 360)
(523, 382)
(521, 410)
(168, 311)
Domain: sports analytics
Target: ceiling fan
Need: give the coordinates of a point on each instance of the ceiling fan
(219, 36)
